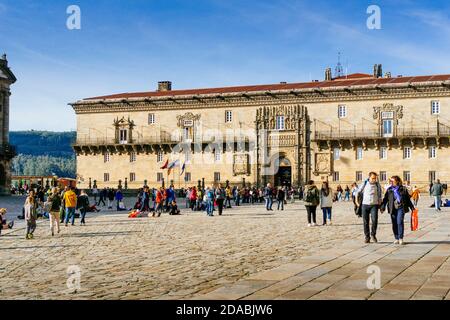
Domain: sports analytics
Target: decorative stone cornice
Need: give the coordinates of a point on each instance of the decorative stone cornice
(255, 99)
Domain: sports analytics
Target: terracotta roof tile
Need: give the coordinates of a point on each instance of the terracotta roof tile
(357, 79)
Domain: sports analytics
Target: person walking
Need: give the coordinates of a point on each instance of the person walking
(398, 203)
(268, 194)
(347, 193)
(311, 198)
(372, 197)
(56, 203)
(102, 197)
(159, 202)
(220, 198)
(326, 202)
(30, 214)
(83, 206)
(3, 223)
(70, 200)
(193, 198)
(209, 201)
(62, 210)
(281, 198)
(95, 194)
(436, 192)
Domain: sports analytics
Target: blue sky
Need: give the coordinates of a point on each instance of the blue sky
(126, 46)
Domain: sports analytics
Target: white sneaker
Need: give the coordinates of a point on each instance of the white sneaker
(396, 242)
(401, 242)
(309, 225)
(329, 222)
(314, 224)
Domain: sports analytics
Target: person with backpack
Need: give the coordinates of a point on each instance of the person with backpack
(398, 203)
(209, 197)
(280, 198)
(220, 198)
(326, 202)
(55, 205)
(311, 201)
(111, 196)
(369, 198)
(268, 195)
(83, 206)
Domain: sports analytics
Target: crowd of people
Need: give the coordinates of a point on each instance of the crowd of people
(369, 199)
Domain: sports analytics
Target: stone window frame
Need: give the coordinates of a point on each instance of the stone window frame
(133, 156)
(432, 152)
(407, 153)
(151, 118)
(383, 153)
(383, 176)
(106, 177)
(336, 176)
(359, 176)
(359, 153)
(280, 123)
(159, 156)
(406, 176)
(342, 111)
(132, 176)
(187, 177)
(228, 116)
(435, 107)
(159, 176)
(216, 176)
(106, 157)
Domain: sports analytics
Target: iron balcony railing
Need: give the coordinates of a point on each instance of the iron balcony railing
(442, 131)
(87, 141)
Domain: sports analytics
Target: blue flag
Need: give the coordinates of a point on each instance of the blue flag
(182, 168)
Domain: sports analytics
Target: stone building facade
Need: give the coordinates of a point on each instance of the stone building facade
(288, 133)
(7, 152)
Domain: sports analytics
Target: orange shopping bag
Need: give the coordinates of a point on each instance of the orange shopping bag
(415, 220)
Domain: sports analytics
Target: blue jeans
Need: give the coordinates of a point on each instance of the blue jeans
(209, 207)
(370, 212)
(437, 202)
(281, 203)
(269, 203)
(398, 223)
(326, 214)
(83, 215)
(70, 212)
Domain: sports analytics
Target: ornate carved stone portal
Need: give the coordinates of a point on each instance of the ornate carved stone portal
(282, 130)
(241, 164)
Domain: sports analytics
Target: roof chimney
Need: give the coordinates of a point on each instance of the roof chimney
(378, 71)
(164, 86)
(328, 76)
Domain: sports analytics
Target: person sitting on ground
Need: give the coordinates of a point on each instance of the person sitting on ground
(174, 208)
(3, 222)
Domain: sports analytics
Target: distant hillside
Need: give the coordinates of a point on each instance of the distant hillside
(43, 153)
(37, 143)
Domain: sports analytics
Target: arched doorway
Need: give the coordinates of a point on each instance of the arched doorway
(284, 174)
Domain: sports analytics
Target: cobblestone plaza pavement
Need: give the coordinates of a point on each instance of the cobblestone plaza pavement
(245, 254)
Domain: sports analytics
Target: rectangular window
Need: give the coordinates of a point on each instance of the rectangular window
(432, 176)
(228, 116)
(407, 153)
(335, 176)
(432, 152)
(188, 156)
(216, 176)
(435, 107)
(342, 111)
(383, 153)
(159, 177)
(133, 157)
(359, 153)
(336, 153)
(383, 176)
(406, 176)
(159, 156)
(106, 177)
(280, 123)
(359, 176)
(217, 155)
(123, 136)
(187, 177)
(132, 177)
(106, 157)
(151, 118)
